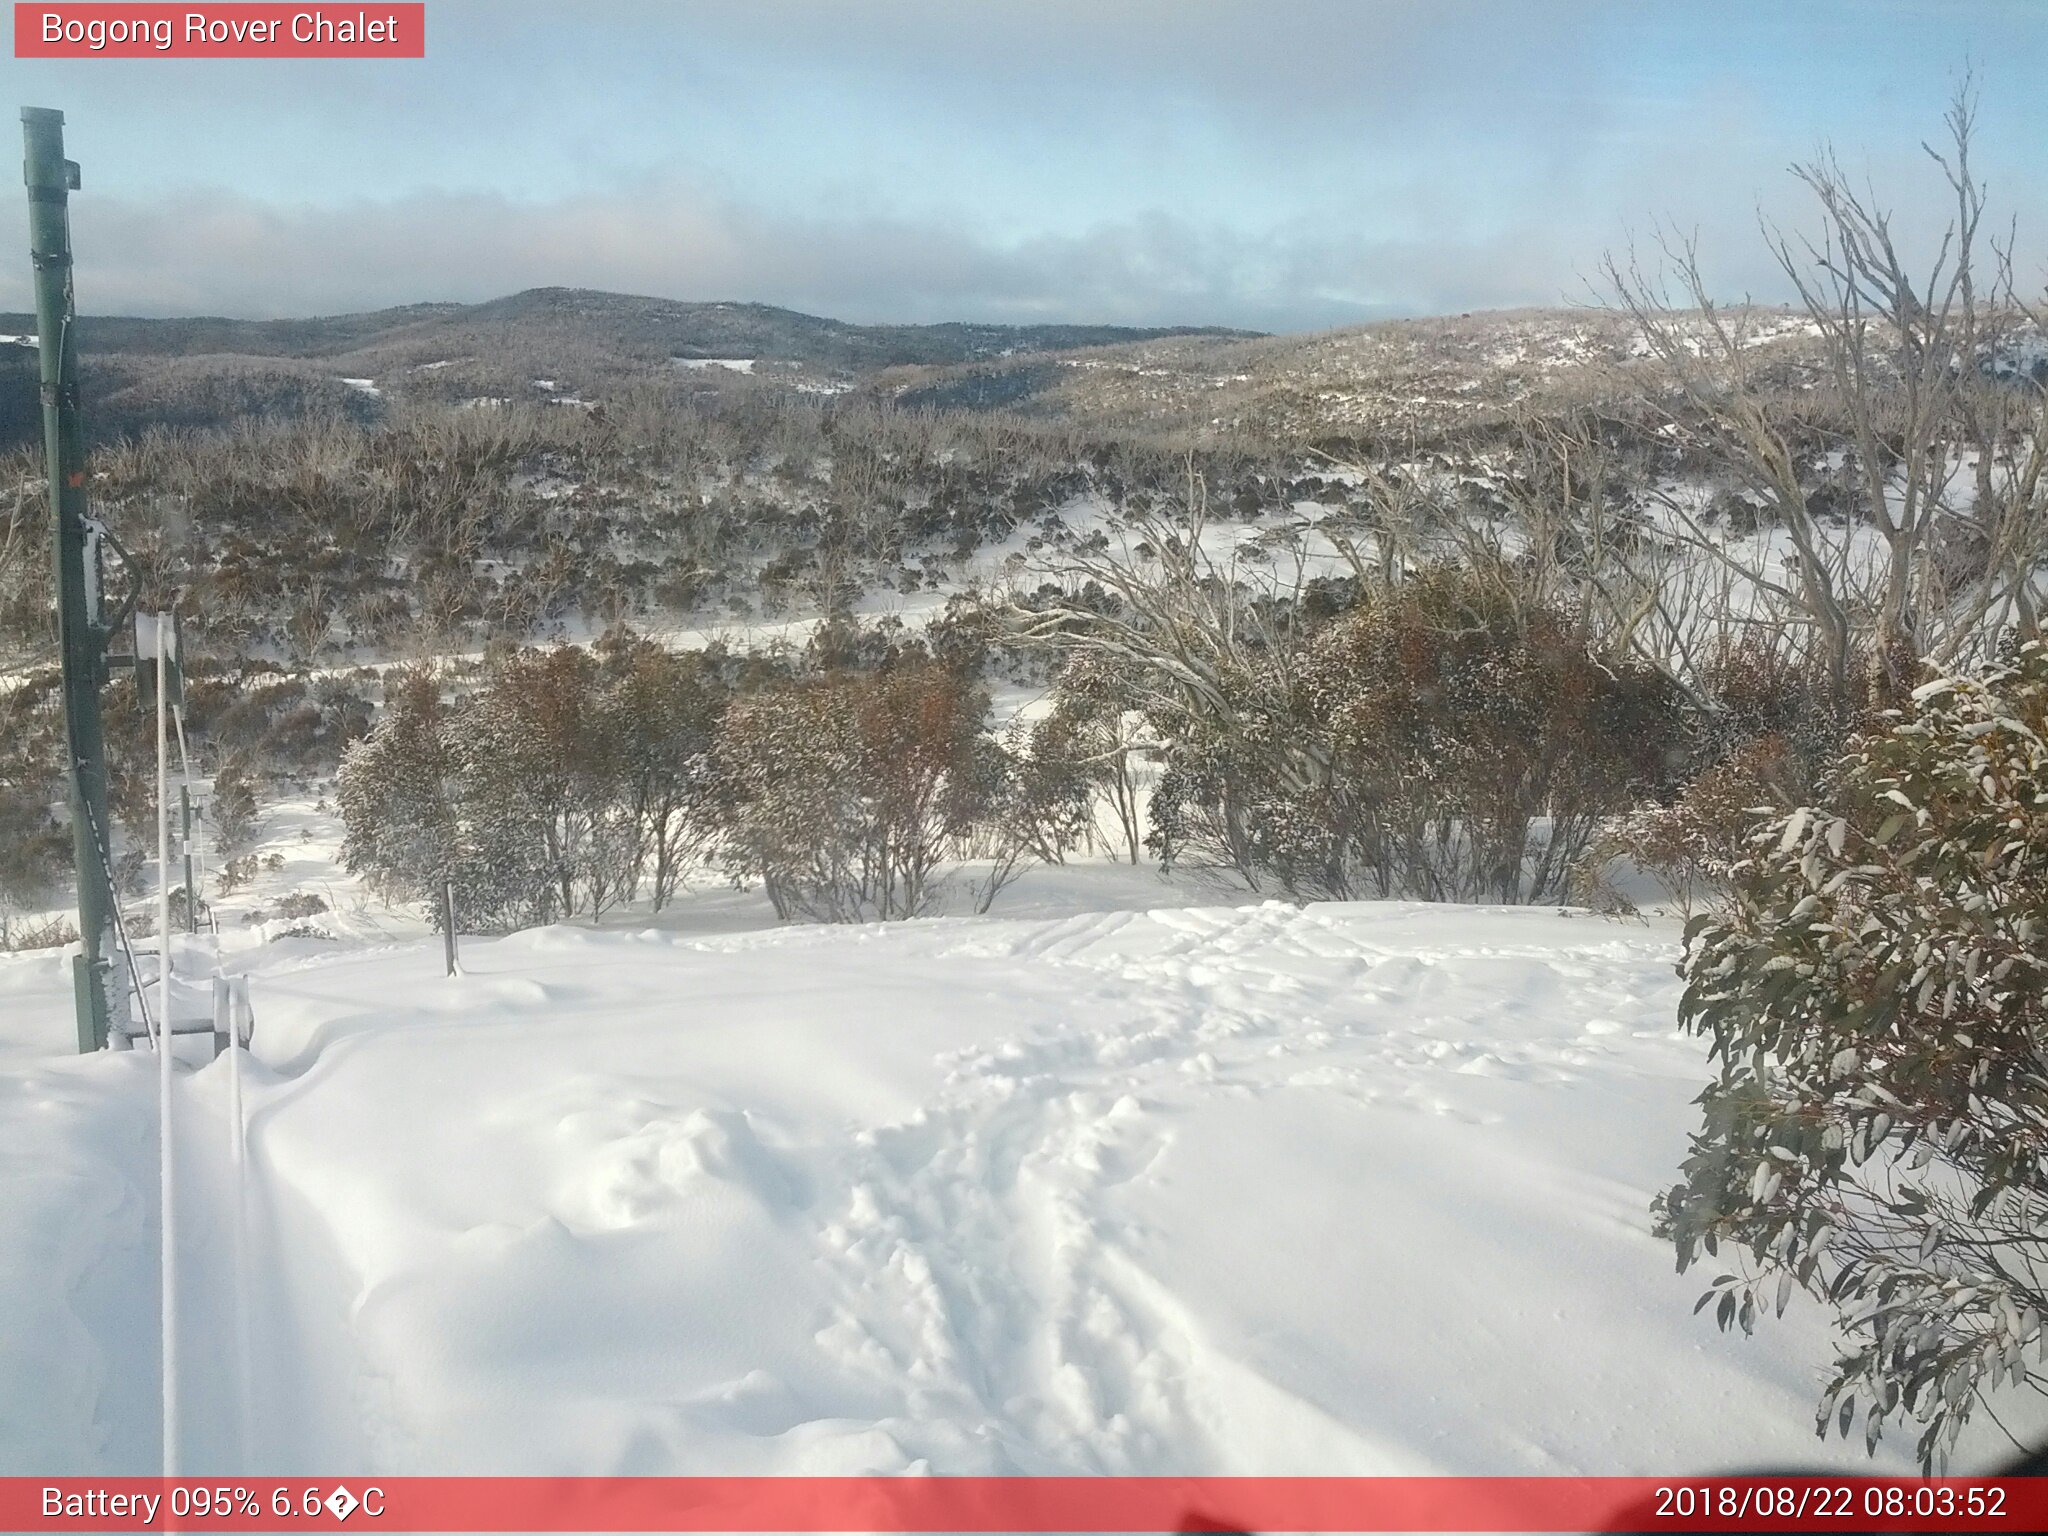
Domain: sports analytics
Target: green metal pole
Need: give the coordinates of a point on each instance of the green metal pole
(101, 997)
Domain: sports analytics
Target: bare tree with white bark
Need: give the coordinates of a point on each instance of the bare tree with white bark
(1917, 431)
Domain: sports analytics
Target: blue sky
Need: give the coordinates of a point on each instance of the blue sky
(1284, 164)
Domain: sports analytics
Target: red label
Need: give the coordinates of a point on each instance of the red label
(265, 31)
(1021, 1504)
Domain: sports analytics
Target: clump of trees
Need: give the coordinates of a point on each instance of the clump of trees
(1876, 997)
(1084, 760)
(1442, 732)
(422, 526)
(1443, 736)
(845, 780)
(571, 781)
(1477, 742)
(846, 794)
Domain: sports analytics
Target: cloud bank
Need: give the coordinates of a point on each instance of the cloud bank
(211, 251)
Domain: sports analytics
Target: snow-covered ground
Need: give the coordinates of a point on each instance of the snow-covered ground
(1154, 1187)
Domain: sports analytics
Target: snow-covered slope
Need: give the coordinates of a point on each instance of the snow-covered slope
(1349, 1188)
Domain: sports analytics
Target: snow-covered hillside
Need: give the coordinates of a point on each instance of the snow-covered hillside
(1266, 1189)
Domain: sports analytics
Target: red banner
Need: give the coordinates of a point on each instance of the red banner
(1050, 1504)
(215, 31)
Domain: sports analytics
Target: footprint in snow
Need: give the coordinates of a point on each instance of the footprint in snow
(627, 1180)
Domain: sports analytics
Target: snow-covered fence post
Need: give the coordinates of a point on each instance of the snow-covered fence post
(448, 924)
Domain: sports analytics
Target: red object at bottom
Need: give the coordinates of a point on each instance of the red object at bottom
(1024, 1504)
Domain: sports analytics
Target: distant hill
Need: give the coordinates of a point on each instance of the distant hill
(570, 343)
(1448, 373)
(666, 327)
(195, 335)
(633, 325)
(579, 347)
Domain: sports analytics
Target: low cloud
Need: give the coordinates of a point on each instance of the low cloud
(1416, 251)
(218, 253)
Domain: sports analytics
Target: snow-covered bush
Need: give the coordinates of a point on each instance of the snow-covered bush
(1763, 729)
(1446, 739)
(1876, 996)
(571, 781)
(233, 808)
(394, 793)
(847, 793)
(1688, 844)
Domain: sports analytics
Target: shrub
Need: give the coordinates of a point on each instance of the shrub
(1446, 739)
(1465, 703)
(242, 869)
(398, 827)
(1877, 1000)
(1083, 755)
(663, 708)
(1689, 845)
(847, 792)
(35, 848)
(187, 904)
(1764, 737)
(233, 807)
(37, 933)
(566, 784)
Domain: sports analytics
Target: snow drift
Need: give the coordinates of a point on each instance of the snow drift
(1337, 1189)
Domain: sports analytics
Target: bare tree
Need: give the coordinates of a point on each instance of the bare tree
(1190, 632)
(24, 575)
(1912, 438)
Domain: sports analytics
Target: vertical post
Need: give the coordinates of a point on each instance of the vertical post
(448, 923)
(191, 896)
(230, 1003)
(163, 825)
(167, 1231)
(102, 998)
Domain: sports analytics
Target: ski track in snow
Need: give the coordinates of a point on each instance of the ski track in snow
(1346, 1188)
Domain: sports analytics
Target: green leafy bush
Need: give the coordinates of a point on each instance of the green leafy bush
(1876, 995)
